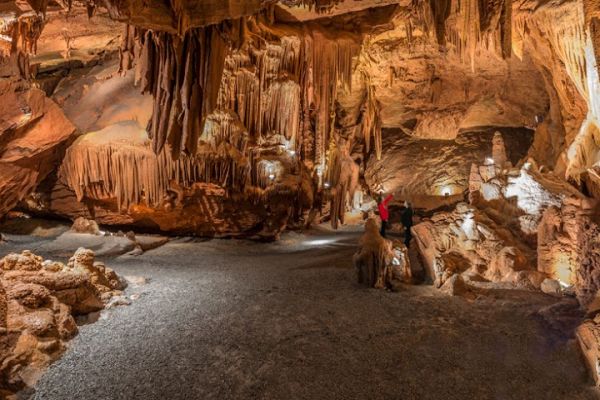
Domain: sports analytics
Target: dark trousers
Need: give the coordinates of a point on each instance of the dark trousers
(383, 228)
(407, 236)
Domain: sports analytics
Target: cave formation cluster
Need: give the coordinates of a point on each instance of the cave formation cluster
(227, 118)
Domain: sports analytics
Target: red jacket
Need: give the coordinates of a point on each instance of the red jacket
(384, 214)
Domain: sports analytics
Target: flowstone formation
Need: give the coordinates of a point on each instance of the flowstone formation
(380, 262)
(279, 106)
(228, 118)
(516, 215)
(523, 229)
(38, 301)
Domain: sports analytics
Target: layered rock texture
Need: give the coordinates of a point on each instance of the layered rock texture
(38, 300)
(244, 118)
(380, 262)
(265, 103)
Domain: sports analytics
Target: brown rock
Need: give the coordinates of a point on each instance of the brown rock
(83, 225)
(456, 286)
(373, 258)
(36, 311)
(34, 132)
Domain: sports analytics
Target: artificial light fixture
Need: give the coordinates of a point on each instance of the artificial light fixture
(327, 185)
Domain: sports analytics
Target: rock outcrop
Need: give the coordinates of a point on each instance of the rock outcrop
(34, 134)
(426, 171)
(379, 261)
(38, 300)
(468, 243)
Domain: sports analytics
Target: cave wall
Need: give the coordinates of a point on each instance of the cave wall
(265, 99)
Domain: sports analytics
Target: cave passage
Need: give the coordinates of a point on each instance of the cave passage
(299, 199)
(287, 320)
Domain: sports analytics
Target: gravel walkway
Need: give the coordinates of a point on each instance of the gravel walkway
(239, 320)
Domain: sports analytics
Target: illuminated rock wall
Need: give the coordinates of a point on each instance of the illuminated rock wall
(242, 92)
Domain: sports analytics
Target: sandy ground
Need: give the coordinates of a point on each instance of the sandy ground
(228, 319)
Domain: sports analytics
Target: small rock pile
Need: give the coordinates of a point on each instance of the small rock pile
(38, 301)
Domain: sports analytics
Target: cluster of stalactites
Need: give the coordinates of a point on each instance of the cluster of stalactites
(183, 75)
(470, 25)
(332, 67)
(317, 5)
(288, 87)
(218, 91)
(261, 86)
(371, 123)
(134, 175)
(18, 38)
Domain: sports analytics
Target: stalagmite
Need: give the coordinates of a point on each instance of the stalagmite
(373, 258)
(499, 151)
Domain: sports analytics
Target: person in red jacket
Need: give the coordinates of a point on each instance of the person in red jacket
(384, 213)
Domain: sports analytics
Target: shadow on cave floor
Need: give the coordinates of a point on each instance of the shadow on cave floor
(232, 319)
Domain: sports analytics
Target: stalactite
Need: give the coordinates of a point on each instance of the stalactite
(440, 10)
(371, 122)
(184, 77)
(127, 49)
(24, 32)
(331, 67)
(136, 175)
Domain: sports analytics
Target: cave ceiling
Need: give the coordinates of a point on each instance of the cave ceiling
(219, 85)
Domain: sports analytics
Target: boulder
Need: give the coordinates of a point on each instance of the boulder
(34, 133)
(551, 287)
(467, 241)
(37, 309)
(588, 337)
(84, 225)
(456, 286)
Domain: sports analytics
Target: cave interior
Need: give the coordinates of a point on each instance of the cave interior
(180, 130)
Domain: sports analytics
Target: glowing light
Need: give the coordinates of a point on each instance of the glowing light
(446, 191)
(489, 161)
(327, 185)
(319, 242)
(468, 226)
(292, 153)
(561, 269)
(272, 176)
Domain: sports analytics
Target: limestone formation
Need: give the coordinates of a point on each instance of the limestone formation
(38, 299)
(379, 261)
(83, 225)
(467, 242)
(229, 118)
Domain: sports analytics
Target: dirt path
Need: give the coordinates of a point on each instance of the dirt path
(238, 320)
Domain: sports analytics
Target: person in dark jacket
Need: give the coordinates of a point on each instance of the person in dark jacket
(384, 213)
(407, 221)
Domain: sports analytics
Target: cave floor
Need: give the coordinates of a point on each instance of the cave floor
(231, 319)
